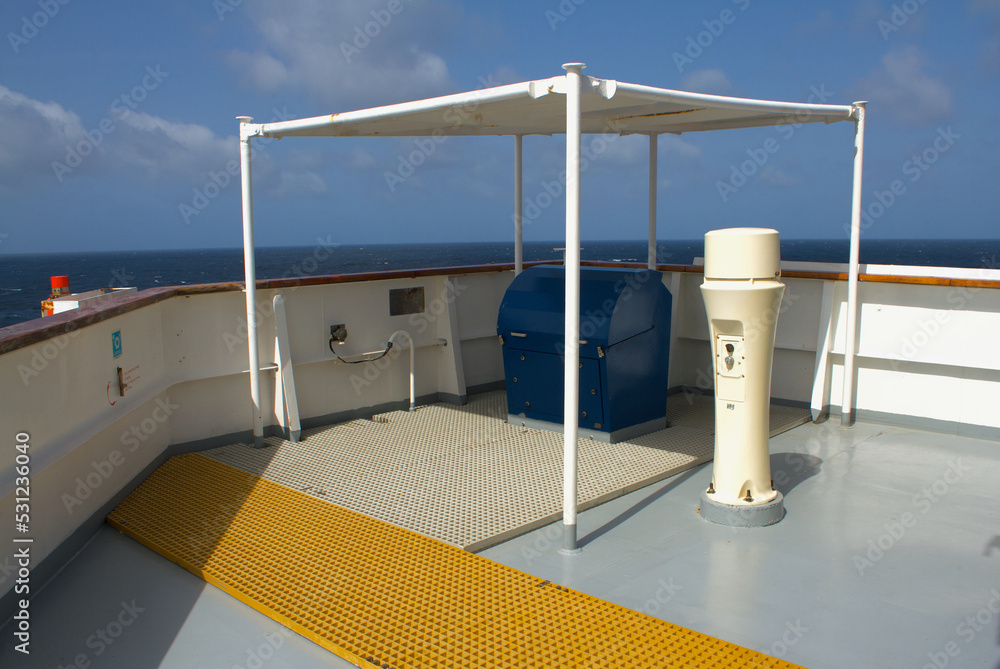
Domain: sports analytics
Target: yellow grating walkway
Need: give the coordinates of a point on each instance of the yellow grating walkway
(376, 594)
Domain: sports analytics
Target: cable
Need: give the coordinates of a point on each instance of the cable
(357, 362)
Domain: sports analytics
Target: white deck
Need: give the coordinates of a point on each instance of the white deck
(798, 589)
(463, 475)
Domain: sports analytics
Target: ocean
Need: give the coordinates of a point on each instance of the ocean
(24, 278)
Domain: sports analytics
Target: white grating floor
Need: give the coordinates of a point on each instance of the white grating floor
(461, 474)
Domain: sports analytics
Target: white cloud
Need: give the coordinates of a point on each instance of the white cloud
(822, 23)
(172, 150)
(990, 49)
(991, 52)
(707, 81)
(46, 143)
(35, 134)
(295, 184)
(901, 89)
(259, 69)
(773, 176)
(985, 5)
(867, 14)
(350, 52)
(677, 146)
(188, 152)
(360, 159)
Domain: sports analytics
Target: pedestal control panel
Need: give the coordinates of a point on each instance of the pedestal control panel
(730, 381)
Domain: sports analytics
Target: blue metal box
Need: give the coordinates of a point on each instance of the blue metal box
(624, 347)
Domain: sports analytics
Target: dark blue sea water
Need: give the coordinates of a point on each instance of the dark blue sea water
(24, 279)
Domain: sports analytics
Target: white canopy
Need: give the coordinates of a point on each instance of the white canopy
(571, 104)
(539, 108)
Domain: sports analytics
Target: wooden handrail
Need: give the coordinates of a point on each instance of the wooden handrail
(20, 335)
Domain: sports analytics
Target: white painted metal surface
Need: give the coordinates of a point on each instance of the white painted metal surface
(651, 236)
(286, 375)
(846, 405)
(535, 107)
(413, 351)
(742, 298)
(250, 274)
(518, 204)
(571, 341)
(91, 298)
(918, 363)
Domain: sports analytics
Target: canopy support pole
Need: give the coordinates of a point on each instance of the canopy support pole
(652, 201)
(518, 206)
(571, 378)
(850, 341)
(246, 182)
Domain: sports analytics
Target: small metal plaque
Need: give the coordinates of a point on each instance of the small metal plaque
(405, 301)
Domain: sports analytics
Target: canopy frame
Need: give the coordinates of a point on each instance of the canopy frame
(535, 108)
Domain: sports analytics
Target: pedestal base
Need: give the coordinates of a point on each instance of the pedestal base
(742, 515)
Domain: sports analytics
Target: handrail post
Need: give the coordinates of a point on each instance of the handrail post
(850, 341)
(651, 262)
(247, 130)
(571, 341)
(518, 205)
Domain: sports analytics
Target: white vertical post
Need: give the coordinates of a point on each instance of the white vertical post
(518, 206)
(652, 201)
(571, 378)
(286, 374)
(850, 342)
(251, 277)
(413, 351)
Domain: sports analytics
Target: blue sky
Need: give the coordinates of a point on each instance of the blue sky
(117, 119)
